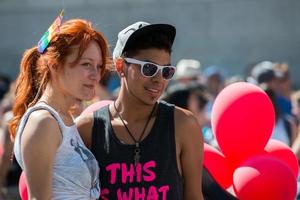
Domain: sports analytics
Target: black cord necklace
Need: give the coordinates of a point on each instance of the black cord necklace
(137, 149)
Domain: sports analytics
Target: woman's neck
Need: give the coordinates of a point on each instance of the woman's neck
(56, 100)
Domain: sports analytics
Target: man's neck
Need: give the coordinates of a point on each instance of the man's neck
(133, 110)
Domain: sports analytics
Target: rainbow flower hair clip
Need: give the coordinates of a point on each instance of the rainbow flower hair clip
(48, 35)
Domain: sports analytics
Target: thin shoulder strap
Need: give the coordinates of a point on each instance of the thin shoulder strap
(24, 120)
(40, 107)
(167, 110)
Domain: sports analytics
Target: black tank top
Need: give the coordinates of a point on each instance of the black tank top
(156, 177)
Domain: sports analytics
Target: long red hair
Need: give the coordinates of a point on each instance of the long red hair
(34, 68)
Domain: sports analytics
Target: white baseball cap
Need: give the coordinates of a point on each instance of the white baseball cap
(187, 68)
(264, 72)
(127, 36)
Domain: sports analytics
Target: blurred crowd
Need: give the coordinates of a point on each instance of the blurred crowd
(194, 88)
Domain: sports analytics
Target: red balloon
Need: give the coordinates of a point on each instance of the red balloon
(264, 177)
(283, 152)
(242, 120)
(231, 191)
(95, 106)
(23, 187)
(215, 162)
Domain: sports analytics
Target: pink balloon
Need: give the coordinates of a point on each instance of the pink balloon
(264, 177)
(242, 120)
(23, 187)
(283, 152)
(95, 106)
(215, 162)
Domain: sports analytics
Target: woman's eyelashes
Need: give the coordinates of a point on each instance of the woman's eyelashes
(94, 68)
(87, 64)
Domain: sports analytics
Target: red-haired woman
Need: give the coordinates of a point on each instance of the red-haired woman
(47, 145)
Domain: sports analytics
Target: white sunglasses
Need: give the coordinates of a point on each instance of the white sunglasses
(149, 69)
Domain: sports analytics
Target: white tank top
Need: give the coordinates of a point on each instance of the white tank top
(75, 169)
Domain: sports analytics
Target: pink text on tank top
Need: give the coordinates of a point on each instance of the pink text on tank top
(129, 173)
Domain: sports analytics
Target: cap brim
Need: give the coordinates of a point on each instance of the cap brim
(166, 29)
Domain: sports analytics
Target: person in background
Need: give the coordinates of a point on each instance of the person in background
(187, 70)
(4, 88)
(214, 81)
(295, 99)
(55, 75)
(4, 85)
(234, 79)
(265, 76)
(6, 147)
(191, 96)
(283, 88)
(296, 112)
(146, 148)
(9, 169)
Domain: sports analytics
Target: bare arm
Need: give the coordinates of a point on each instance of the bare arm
(189, 138)
(85, 125)
(40, 140)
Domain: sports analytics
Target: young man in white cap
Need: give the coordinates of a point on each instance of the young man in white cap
(146, 149)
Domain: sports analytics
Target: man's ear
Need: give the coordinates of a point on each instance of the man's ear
(119, 65)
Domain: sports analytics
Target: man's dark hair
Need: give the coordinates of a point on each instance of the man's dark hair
(155, 40)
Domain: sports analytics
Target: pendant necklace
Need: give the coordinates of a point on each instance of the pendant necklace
(137, 149)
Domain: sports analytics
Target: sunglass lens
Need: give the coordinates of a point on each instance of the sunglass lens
(168, 72)
(149, 69)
